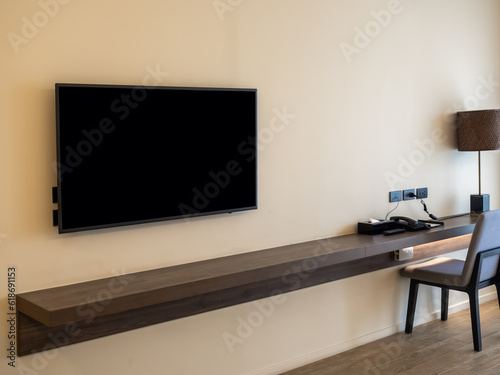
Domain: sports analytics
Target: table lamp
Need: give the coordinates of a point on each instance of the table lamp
(478, 131)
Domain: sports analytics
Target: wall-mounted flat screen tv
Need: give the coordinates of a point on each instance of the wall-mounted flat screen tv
(136, 154)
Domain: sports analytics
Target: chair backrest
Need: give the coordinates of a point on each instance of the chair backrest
(486, 236)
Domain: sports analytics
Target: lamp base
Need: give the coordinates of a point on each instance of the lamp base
(479, 203)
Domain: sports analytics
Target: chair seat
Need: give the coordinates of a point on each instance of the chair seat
(446, 271)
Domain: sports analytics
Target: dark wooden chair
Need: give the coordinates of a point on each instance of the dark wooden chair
(480, 269)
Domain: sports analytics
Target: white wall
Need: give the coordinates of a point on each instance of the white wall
(366, 122)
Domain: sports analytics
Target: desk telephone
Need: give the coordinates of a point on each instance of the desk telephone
(396, 224)
(414, 225)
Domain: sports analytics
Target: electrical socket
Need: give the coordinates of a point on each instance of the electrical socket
(406, 194)
(404, 254)
(422, 193)
(395, 196)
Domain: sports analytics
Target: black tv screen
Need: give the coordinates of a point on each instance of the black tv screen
(136, 154)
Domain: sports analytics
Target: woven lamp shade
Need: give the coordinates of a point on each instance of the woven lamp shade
(478, 130)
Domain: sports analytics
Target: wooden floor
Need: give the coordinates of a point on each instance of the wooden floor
(437, 347)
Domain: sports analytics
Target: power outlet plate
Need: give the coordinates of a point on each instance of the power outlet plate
(406, 194)
(395, 196)
(404, 254)
(422, 193)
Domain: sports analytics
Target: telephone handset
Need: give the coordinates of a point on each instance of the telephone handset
(409, 224)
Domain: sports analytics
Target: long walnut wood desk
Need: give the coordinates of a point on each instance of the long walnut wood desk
(74, 313)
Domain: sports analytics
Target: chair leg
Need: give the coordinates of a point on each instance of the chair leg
(412, 303)
(445, 295)
(497, 285)
(474, 315)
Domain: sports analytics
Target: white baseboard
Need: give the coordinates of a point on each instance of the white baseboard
(358, 341)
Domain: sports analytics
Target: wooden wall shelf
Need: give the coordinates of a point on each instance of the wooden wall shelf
(74, 313)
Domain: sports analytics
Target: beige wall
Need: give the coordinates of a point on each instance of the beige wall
(370, 116)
